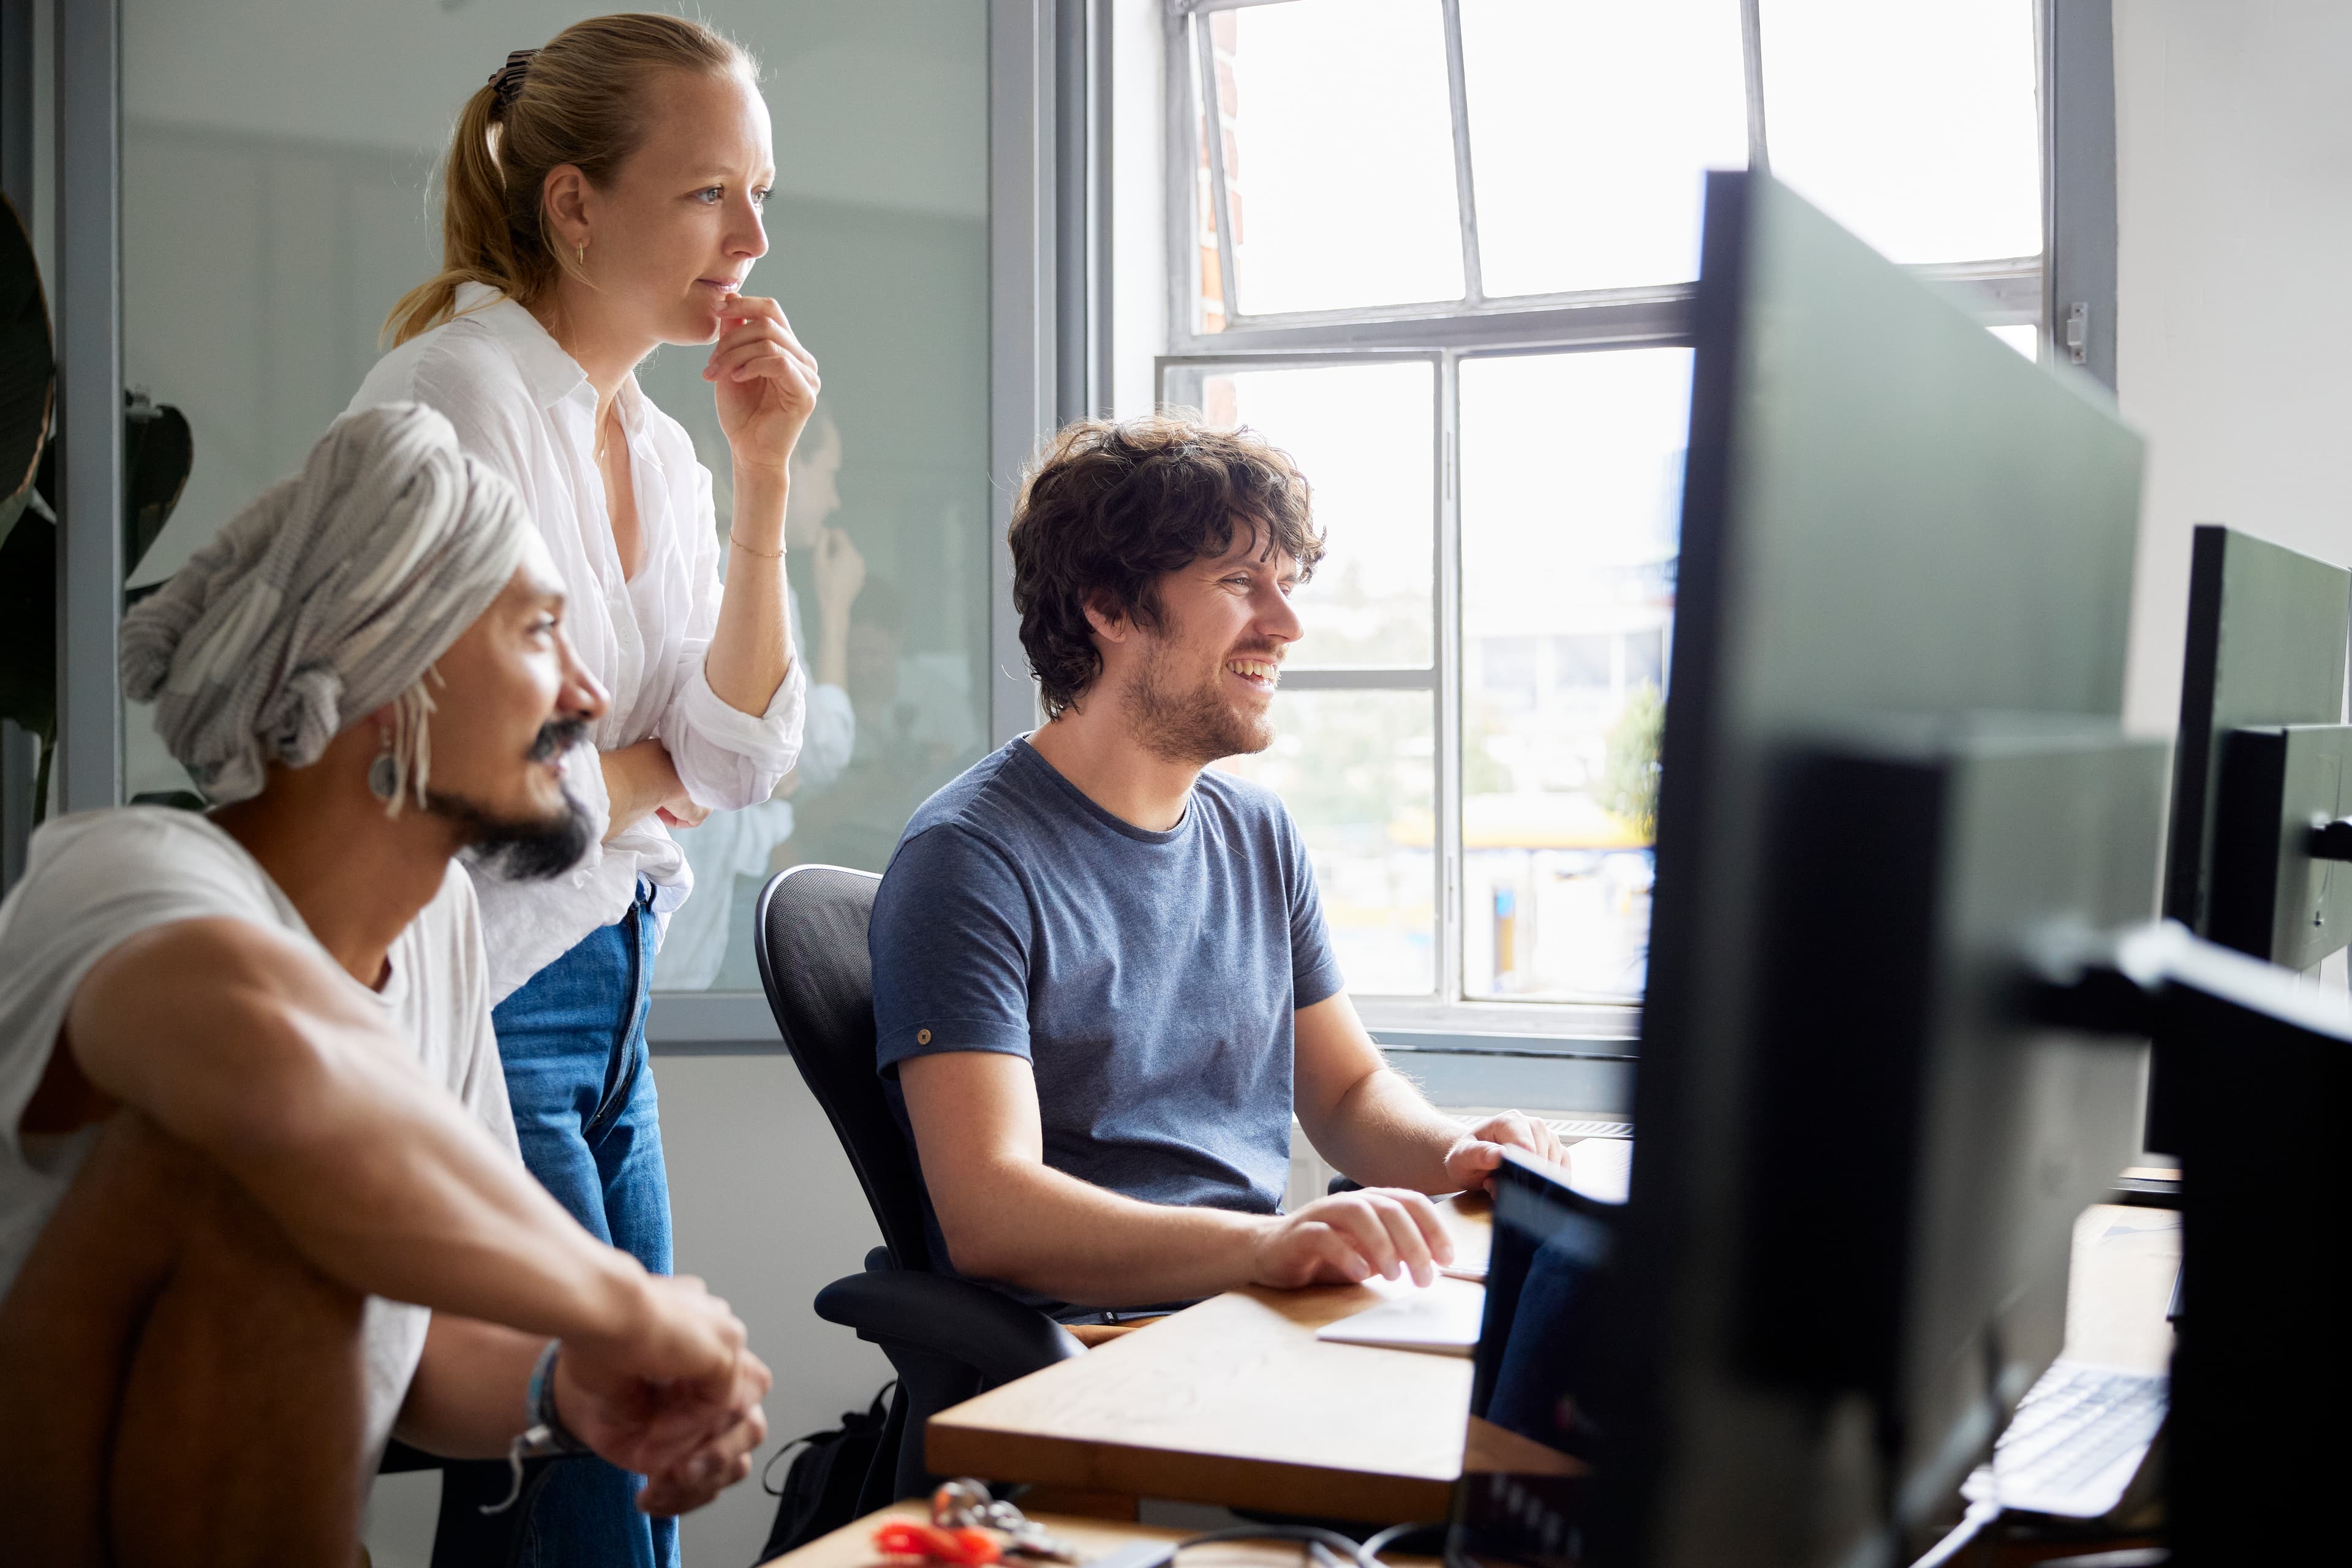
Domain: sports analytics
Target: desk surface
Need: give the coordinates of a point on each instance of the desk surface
(1235, 1401)
(852, 1546)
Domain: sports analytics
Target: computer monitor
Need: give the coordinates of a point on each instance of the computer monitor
(2281, 889)
(2260, 753)
(1890, 520)
(1528, 1499)
(2268, 630)
(2258, 1441)
(1902, 1271)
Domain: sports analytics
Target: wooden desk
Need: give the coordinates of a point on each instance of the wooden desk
(1236, 1402)
(852, 1545)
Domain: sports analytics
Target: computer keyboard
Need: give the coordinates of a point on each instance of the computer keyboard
(1591, 1129)
(2076, 1442)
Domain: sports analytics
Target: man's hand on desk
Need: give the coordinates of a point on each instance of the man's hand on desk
(1347, 1238)
(1471, 1162)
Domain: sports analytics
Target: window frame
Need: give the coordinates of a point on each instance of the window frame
(2001, 291)
(1048, 303)
(2074, 63)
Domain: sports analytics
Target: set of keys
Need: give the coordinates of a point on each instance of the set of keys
(965, 1504)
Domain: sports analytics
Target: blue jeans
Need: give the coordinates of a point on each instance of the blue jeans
(573, 1040)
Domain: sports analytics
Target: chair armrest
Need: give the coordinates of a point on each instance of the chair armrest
(985, 1329)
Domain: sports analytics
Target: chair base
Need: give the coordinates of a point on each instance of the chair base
(928, 1383)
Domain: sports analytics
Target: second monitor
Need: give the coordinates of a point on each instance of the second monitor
(1892, 523)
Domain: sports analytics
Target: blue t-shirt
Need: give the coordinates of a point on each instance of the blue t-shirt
(1148, 978)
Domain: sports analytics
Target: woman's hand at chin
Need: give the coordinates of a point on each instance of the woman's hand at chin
(765, 380)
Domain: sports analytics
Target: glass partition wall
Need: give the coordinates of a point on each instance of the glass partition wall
(278, 195)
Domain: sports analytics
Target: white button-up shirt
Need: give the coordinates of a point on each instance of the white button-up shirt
(525, 407)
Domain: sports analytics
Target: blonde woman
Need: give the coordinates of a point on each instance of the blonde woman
(603, 197)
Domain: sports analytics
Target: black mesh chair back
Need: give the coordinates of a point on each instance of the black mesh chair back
(810, 928)
(948, 1338)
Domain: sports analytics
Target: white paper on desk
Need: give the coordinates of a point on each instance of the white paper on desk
(1601, 1168)
(1443, 1319)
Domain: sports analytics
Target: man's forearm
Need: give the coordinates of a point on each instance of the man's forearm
(1028, 1224)
(466, 1401)
(377, 1174)
(1384, 1133)
(383, 1181)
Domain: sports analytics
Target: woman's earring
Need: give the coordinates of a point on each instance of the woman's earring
(383, 774)
(583, 253)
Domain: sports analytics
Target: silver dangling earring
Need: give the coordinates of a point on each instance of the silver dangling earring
(383, 774)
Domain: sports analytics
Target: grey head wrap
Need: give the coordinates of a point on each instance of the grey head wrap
(326, 599)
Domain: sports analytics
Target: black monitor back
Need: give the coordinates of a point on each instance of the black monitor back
(2264, 665)
(2267, 636)
(1886, 512)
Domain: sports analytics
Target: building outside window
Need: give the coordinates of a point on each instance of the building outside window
(1442, 252)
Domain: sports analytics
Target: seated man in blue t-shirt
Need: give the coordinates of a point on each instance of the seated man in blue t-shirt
(1102, 982)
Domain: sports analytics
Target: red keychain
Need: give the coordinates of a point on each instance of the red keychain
(907, 1538)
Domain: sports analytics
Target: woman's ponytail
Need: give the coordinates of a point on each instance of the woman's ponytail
(574, 102)
(475, 246)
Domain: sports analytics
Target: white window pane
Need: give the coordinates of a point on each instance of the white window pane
(1357, 771)
(1340, 156)
(1571, 496)
(2025, 339)
(1590, 122)
(1915, 125)
(1363, 437)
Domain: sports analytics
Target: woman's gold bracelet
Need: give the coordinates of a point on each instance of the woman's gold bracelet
(754, 548)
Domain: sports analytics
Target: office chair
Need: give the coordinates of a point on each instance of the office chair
(948, 1338)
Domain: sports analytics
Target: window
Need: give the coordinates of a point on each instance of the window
(1442, 252)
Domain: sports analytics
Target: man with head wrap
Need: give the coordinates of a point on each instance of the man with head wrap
(250, 1101)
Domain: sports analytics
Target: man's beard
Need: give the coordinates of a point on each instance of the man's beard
(519, 848)
(1194, 725)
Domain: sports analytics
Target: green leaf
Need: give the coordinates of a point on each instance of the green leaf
(1629, 780)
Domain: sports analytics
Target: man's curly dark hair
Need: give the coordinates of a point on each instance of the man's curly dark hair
(1111, 506)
